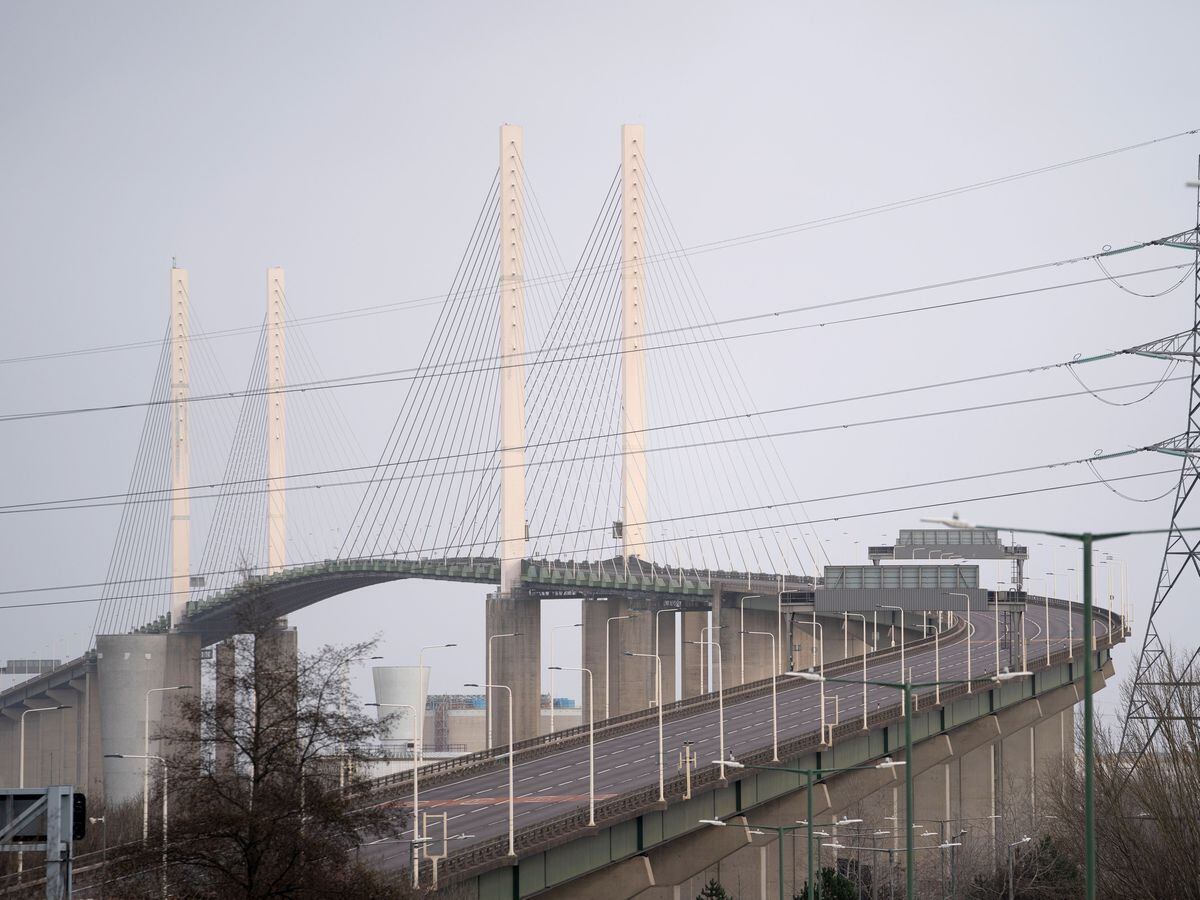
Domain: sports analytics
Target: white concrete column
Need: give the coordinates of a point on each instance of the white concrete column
(512, 361)
(180, 458)
(634, 482)
(276, 445)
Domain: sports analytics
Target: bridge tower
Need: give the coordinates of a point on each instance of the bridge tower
(180, 456)
(630, 681)
(634, 483)
(516, 659)
(276, 455)
(130, 665)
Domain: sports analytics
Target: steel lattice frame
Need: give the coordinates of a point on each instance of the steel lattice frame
(1180, 571)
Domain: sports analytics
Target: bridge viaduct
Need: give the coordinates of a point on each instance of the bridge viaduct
(1003, 734)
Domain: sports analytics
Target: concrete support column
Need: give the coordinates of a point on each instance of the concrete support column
(516, 662)
(632, 679)
(9, 746)
(62, 739)
(691, 671)
(225, 664)
(595, 622)
(91, 748)
(129, 665)
(276, 651)
(666, 650)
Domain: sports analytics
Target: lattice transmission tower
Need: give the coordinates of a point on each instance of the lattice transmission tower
(1179, 576)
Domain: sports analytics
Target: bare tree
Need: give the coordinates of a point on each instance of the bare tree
(1147, 828)
(255, 804)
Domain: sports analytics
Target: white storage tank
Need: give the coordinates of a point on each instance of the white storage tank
(400, 685)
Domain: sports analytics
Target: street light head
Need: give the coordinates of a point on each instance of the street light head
(889, 763)
(628, 653)
(953, 522)
(845, 821)
(712, 822)
(1006, 675)
(114, 755)
(729, 763)
(807, 675)
(555, 668)
(948, 845)
(470, 684)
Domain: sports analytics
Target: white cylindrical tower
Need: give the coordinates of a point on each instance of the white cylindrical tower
(407, 685)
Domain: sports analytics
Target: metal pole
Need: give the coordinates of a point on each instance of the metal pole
(146, 772)
(809, 820)
(511, 818)
(1089, 806)
(661, 759)
(908, 795)
(164, 853)
(591, 748)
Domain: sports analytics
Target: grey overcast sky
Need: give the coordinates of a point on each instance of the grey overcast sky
(353, 144)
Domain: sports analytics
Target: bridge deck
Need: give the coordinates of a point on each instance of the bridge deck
(552, 784)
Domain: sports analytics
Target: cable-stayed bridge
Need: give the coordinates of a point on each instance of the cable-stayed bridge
(574, 431)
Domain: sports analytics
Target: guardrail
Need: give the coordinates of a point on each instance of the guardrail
(484, 761)
(549, 833)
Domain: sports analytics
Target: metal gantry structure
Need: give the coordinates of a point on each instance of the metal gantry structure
(1179, 574)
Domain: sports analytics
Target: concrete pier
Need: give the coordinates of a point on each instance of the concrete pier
(515, 662)
(128, 667)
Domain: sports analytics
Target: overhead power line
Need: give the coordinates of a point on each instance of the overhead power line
(650, 539)
(161, 495)
(490, 363)
(695, 249)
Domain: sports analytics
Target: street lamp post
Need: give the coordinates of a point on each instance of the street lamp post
(511, 818)
(553, 668)
(774, 696)
(607, 667)
(903, 671)
(488, 698)
(147, 757)
(1011, 848)
(342, 712)
(24, 713)
(864, 664)
(720, 699)
(742, 634)
(103, 820)
(658, 695)
(937, 663)
(419, 714)
(809, 776)
(906, 687)
(1087, 540)
(415, 775)
(780, 831)
(591, 740)
(21, 777)
(970, 633)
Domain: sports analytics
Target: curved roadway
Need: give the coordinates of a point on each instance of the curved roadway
(558, 783)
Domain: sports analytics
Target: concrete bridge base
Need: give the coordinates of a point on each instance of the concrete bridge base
(128, 666)
(989, 778)
(515, 662)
